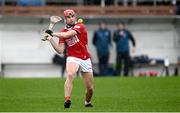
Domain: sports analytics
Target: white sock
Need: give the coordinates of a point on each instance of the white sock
(87, 102)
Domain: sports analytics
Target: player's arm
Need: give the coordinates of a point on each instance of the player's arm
(58, 48)
(94, 38)
(67, 34)
(131, 37)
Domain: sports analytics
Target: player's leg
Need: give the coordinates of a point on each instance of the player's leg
(126, 63)
(100, 64)
(71, 68)
(118, 63)
(87, 74)
(88, 79)
(106, 65)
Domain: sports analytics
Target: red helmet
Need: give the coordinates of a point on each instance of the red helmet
(68, 12)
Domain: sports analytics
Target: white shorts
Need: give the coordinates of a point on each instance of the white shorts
(84, 65)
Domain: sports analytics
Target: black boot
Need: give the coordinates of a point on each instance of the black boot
(67, 104)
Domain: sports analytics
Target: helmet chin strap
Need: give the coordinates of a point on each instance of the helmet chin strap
(70, 25)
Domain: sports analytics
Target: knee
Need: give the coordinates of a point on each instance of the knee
(70, 75)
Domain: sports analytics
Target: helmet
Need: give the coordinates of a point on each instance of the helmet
(68, 12)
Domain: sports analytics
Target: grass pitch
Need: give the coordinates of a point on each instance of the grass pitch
(111, 94)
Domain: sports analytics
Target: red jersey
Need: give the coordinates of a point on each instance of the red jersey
(76, 45)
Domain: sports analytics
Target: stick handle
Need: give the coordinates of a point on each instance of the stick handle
(51, 25)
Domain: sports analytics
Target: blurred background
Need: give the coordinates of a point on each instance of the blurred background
(155, 25)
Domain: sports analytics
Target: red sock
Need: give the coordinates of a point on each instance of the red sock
(67, 98)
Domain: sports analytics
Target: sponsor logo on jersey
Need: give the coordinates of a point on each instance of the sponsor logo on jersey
(76, 26)
(72, 41)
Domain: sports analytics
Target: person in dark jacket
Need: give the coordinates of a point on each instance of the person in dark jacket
(102, 42)
(122, 37)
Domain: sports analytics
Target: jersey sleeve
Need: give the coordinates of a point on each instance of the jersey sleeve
(78, 28)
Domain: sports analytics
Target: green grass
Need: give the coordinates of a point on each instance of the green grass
(111, 94)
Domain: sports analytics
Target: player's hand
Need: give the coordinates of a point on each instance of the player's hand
(49, 32)
(133, 50)
(47, 36)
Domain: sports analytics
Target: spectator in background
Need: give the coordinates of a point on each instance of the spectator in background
(102, 42)
(122, 37)
(166, 67)
(99, 2)
(31, 3)
(178, 10)
(176, 71)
